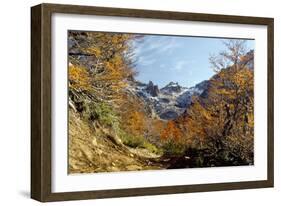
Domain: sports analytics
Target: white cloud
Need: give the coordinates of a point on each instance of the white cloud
(152, 45)
(145, 61)
(180, 65)
(162, 44)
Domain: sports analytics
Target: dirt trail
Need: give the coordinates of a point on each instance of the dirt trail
(90, 151)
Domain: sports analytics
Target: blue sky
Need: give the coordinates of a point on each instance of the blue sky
(185, 60)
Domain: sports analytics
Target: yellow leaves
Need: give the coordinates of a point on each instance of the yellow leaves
(199, 119)
(79, 78)
(93, 50)
(135, 122)
(251, 119)
(132, 116)
(226, 111)
(198, 110)
(114, 75)
(241, 78)
(118, 86)
(114, 70)
(107, 67)
(232, 82)
(224, 92)
(115, 40)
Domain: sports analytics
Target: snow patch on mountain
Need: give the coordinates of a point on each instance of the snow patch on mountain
(168, 102)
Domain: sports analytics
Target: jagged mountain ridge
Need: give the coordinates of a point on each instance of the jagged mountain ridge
(168, 102)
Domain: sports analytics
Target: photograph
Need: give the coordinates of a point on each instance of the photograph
(153, 102)
(133, 102)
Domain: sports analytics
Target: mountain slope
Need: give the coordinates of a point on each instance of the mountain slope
(168, 102)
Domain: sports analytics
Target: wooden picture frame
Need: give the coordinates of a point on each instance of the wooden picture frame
(41, 95)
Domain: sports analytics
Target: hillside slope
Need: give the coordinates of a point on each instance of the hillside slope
(92, 148)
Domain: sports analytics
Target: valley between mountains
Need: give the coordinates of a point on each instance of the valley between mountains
(118, 123)
(98, 147)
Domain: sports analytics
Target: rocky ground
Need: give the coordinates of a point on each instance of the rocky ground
(93, 149)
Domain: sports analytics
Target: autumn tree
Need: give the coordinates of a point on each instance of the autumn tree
(79, 78)
(171, 136)
(106, 58)
(221, 121)
(236, 54)
(135, 123)
(171, 132)
(155, 128)
(100, 68)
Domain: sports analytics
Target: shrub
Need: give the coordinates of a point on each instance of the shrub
(152, 148)
(138, 142)
(172, 148)
(101, 112)
(131, 140)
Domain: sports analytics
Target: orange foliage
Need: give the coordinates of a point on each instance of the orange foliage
(224, 119)
(136, 122)
(171, 132)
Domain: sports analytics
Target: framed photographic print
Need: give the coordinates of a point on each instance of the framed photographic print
(132, 102)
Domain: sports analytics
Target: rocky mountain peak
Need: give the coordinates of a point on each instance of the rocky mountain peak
(172, 87)
(172, 84)
(152, 89)
(168, 102)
